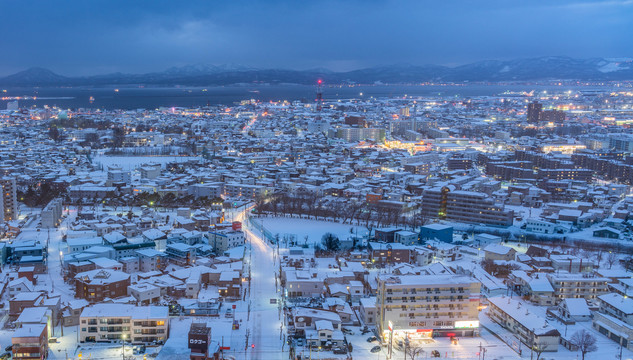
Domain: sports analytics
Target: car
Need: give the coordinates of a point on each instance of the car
(372, 339)
(347, 331)
(375, 349)
(435, 354)
(300, 342)
(339, 351)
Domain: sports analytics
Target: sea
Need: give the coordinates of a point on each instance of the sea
(154, 97)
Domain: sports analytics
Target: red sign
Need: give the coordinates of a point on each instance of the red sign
(233, 306)
(225, 348)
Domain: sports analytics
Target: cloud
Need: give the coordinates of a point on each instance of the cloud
(142, 36)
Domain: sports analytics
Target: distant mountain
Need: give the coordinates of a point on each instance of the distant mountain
(34, 76)
(543, 68)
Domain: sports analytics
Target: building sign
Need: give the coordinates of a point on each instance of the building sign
(466, 324)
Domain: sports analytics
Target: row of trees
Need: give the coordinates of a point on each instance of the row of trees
(346, 211)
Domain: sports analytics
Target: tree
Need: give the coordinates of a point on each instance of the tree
(118, 135)
(611, 259)
(585, 341)
(414, 351)
(53, 133)
(330, 242)
(538, 350)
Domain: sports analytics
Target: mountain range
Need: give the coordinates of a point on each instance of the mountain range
(542, 68)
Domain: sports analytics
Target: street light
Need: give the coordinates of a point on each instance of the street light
(123, 336)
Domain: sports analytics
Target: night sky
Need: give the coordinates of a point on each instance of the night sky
(95, 37)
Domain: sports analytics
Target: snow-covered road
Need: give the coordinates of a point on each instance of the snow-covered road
(264, 325)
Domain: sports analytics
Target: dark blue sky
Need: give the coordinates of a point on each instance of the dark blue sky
(93, 37)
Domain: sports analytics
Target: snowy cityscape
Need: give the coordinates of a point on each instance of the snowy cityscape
(488, 227)
(316, 180)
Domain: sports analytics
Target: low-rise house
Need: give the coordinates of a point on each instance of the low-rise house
(367, 311)
(72, 311)
(575, 310)
(499, 252)
(96, 285)
(144, 293)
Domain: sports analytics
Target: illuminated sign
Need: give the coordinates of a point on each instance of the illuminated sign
(466, 324)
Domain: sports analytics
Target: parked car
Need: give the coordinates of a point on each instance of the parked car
(372, 339)
(347, 331)
(300, 342)
(375, 349)
(339, 351)
(435, 354)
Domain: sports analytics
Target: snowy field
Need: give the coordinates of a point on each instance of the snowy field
(313, 229)
(132, 162)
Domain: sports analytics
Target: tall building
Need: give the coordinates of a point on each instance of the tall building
(52, 213)
(534, 112)
(9, 198)
(426, 306)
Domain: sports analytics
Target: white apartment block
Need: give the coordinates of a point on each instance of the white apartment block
(115, 322)
(52, 214)
(222, 240)
(577, 286)
(529, 328)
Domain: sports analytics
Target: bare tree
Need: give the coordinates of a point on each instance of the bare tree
(585, 341)
(611, 259)
(538, 349)
(413, 352)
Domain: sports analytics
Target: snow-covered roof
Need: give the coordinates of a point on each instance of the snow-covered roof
(126, 310)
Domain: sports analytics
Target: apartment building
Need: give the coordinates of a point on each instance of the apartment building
(464, 206)
(181, 254)
(236, 190)
(390, 253)
(222, 240)
(354, 134)
(577, 286)
(116, 175)
(52, 214)
(425, 306)
(615, 319)
(532, 330)
(115, 322)
(302, 283)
